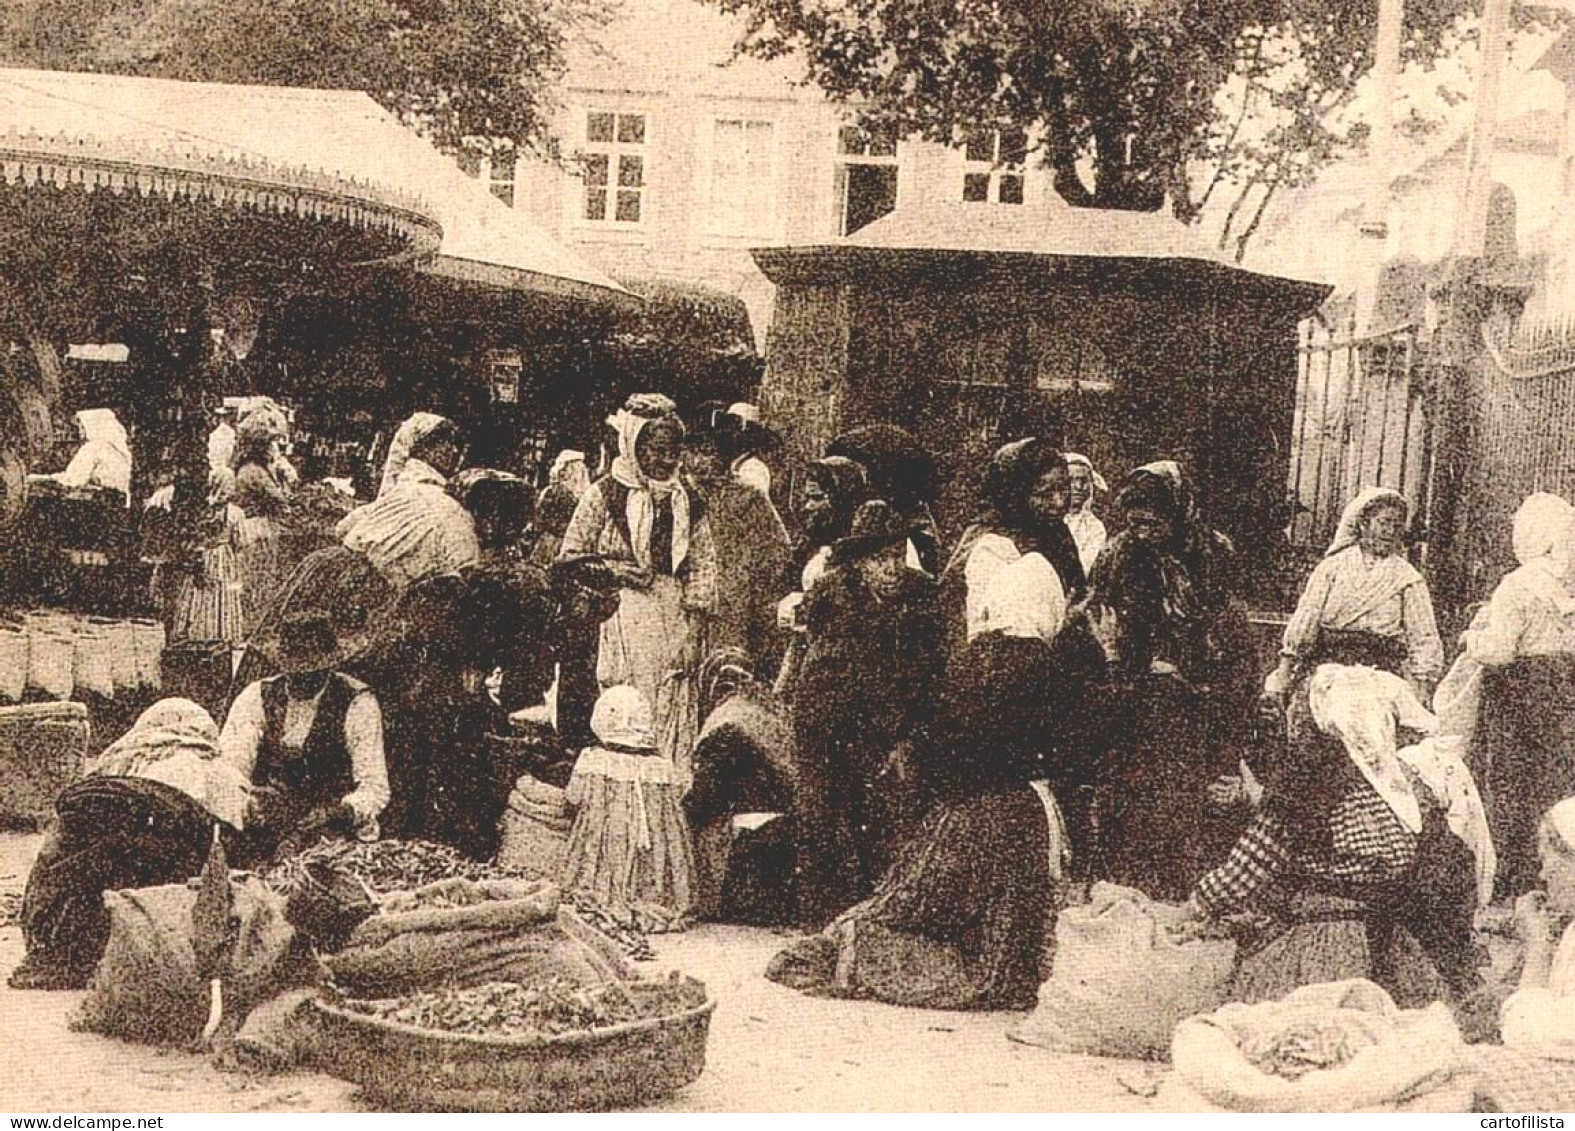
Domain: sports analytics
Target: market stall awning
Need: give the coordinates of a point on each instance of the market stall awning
(937, 238)
(310, 151)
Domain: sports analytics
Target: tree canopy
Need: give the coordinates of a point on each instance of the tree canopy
(472, 75)
(1130, 98)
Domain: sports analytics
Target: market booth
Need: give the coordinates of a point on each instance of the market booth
(179, 221)
(1118, 334)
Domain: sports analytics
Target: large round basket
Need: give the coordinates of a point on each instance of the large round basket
(422, 1069)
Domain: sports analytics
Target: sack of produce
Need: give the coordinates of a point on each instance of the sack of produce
(536, 827)
(147, 987)
(1120, 983)
(443, 920)
(1335, 1047)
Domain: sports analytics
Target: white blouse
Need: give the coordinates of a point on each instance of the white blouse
(1545, 1015)
(1523, 618)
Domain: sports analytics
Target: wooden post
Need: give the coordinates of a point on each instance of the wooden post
(1375, 213)
(1471, 224)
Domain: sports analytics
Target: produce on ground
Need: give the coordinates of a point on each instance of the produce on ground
(392, 869)
(515, 1009)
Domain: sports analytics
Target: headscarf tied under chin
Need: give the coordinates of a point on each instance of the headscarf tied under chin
(1350, 528)
(410, 433)
(1098, 480)
(1164, 488)
(645, 493)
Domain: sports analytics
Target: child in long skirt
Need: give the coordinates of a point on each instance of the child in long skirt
(629, 849)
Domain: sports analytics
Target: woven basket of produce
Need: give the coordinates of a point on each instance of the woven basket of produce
(511, 1046)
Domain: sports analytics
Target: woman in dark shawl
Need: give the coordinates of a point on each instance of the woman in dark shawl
(904, 474)
(1025, 493)
(961, 919)
(1183, 690)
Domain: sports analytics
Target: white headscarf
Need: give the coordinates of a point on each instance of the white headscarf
(1099, 480)
(1561, 819)
(1359, 706)
(1349, 530)
(622, 717)
(410, 433)
(175, 742)
(103, 426)
(637, 413)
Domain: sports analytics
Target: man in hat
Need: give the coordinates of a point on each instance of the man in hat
(861, 702)
(311, 743)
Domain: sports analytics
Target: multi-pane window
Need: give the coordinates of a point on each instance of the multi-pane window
(993, 166)
(500, 175)
(613, 168)
(743, 178)
(866, 175)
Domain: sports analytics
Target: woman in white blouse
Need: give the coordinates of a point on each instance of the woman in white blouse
(1523, 643)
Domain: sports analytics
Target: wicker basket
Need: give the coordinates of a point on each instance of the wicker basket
(420, 1069)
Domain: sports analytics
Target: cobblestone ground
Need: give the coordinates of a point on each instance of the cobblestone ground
(770, 1050)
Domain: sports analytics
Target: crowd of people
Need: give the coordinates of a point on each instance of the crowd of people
(949, 742)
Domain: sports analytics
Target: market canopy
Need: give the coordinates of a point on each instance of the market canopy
(320, 153)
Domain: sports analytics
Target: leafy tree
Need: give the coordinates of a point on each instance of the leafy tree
(1130, 98)
(473, 75)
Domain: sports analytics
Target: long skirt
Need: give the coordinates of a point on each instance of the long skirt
(1157, 830)
(629, 849)
(963, 920)
(208, 604)
(1524, 752)
(1326, 938)
(642, 645)
(261, 572)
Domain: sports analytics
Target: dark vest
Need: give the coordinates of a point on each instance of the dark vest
(319, 773)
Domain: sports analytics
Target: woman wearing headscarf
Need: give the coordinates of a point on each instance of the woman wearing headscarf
(414, 530)
(751, 550)
(567, 480)
(900, 471)
(1365, 603)
(143, 815)
(1523, 644)
(264, 501)
(1182, 692)
(1087, 531)
(207, 590)
(104, 459)
(961, 919)
(639, 531)
(1025, 498)
(1362, 861)
(861, 704)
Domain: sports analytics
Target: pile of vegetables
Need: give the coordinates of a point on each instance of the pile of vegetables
(1314, 1044)
(388, 867)
(515, 1009)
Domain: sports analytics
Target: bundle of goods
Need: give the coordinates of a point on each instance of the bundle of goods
(535, 829)
(149, 986)
(1100, 1005)
(543, 1045)
(41, 750)
(1336, 1047)
(55, 655)
(390, 868)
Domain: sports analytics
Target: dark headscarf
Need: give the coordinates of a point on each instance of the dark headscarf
(846, 484)
(501, 504)
(1008, 480)
(1164, 488)
(902, 473)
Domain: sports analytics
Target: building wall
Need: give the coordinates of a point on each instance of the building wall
(685, 233)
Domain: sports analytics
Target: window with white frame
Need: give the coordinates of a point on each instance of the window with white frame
(866, 176)
(613, 169)
(742, 199)
(993, 162)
